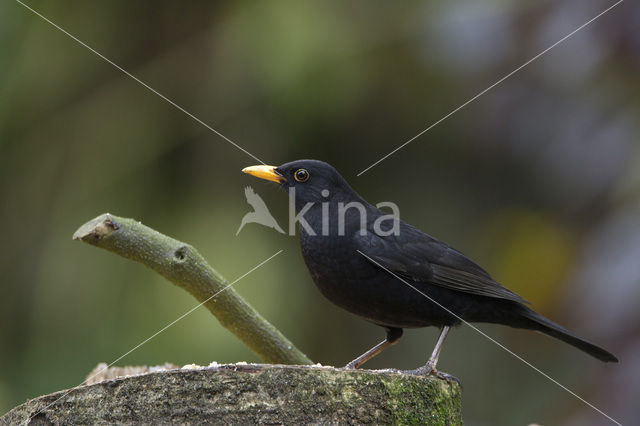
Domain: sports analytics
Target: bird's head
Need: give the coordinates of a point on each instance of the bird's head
(313, 180)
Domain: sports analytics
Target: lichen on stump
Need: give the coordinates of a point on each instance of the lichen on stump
(251, 393)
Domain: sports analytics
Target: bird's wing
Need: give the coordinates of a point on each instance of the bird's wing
(421, 258)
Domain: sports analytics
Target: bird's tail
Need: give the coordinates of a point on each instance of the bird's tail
(552, 329)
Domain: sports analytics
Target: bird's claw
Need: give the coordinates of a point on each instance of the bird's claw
(448, 377)
(429, 370)
(425, 370)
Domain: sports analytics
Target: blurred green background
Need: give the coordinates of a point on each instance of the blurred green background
(537, 180)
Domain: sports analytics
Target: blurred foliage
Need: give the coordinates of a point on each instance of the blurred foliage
(537, 179)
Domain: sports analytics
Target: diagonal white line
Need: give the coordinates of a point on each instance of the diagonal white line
(491, 87)
(151, 89)
(496, 342)
(158, 332)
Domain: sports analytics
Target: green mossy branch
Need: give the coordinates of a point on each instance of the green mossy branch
(251, 394)
(181, 264)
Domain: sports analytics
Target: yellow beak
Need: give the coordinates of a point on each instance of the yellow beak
(264, 172)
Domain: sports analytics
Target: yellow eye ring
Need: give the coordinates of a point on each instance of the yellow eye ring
(301, 175)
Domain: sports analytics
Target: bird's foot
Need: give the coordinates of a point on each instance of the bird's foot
(429, 370)
(350, 366)
(426, 370)
(448, 377)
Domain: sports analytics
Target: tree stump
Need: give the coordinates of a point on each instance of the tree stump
(248, 394)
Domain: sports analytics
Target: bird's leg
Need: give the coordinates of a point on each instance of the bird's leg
(430, 367)
(393, 335)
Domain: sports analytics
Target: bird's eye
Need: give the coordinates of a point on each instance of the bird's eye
(301, 175)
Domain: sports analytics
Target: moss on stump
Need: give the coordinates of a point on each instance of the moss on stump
(250, 393)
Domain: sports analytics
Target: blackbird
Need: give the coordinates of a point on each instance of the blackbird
(390, 273)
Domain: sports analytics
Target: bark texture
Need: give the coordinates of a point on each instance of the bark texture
(181, 264)
(250, 394)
